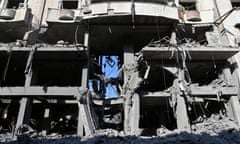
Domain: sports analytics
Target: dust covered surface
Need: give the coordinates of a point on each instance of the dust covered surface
(215, 130)
(225, 137)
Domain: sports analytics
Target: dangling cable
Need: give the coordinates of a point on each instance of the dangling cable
(7, 66)
(76, 35)
(133, 12)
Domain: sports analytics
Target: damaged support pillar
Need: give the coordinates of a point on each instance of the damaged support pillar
(46, 121)
(80, 122)
(181, 105)
(128, 59)
(233, 105)
(229, 37)
(135, 115)
(234, 109)
(131, 103)
(23, 114)
(26, 103)
(80, 127)
(87, 118)
(181, 114)
(84, 84)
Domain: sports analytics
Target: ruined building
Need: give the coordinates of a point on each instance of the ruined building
(177, 63)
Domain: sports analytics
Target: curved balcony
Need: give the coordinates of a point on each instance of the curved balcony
(105, 10)
(126, 8)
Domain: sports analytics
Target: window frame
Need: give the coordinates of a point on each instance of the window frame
(61, 4)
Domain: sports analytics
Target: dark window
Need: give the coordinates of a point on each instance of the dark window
(189, 5)
(14, 3)
(70, 4)
(236, 4)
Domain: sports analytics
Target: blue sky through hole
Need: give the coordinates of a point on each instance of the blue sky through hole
(110, 70)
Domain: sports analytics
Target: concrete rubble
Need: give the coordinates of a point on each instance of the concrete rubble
(214, 130)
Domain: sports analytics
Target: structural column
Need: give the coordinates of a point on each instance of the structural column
(181, 106)
(84, 84)
(134, 116)
(128, 56)
(132, 101)
(26, 103)
(46, 120)
(233, 105)
(181, 114)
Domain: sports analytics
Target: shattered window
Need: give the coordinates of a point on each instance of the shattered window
(14, 3)
(70, 4)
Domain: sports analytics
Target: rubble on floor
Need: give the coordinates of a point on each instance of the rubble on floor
(214, 130)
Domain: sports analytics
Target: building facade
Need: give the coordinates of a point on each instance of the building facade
(173, 56)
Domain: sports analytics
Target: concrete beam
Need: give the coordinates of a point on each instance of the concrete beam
(13, 92)
(56, 100)
(47, 48)
(209, 91)
(114, 101)
(197, 53)
(48, 52)
(199, 91)
(8, 92)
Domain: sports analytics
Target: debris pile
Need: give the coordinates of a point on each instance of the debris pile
(215, 125)
(215, 130)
